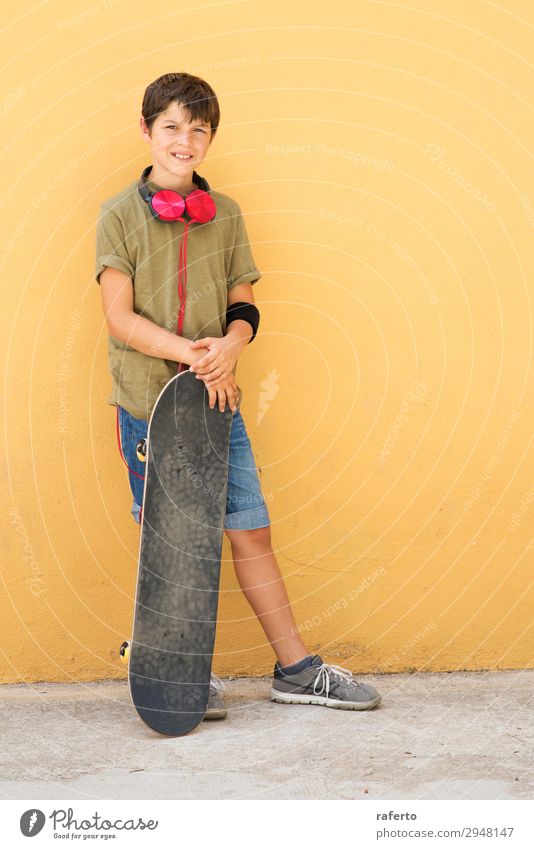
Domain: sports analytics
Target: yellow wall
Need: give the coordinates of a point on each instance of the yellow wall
(382, 155)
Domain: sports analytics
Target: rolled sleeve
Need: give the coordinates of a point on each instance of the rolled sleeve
(110, 246)
(242, 268)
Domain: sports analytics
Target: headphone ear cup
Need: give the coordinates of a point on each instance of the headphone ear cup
(200, 206)
(167, 205)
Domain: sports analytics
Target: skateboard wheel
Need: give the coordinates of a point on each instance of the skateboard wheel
(124, 651)
(140, 450)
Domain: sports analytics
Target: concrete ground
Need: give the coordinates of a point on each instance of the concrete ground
(462, 735)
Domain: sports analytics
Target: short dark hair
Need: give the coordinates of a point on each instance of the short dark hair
(195, 95)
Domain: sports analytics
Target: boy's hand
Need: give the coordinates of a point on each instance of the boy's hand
(224, 390)
(195, 355)
(218, 363)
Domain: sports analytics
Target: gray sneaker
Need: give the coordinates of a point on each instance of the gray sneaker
(323, 684)
(216, 708)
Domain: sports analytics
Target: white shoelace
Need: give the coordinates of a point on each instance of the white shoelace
(323, 677)
(216, 682)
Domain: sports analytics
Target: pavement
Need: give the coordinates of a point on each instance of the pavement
(460, 735)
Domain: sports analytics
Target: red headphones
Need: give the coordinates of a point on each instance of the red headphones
(197, 207)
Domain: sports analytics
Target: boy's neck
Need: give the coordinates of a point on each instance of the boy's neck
(167, 180)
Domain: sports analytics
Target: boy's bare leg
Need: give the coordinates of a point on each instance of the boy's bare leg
(262, 583)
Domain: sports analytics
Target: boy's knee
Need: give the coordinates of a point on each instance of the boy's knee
(257, 537)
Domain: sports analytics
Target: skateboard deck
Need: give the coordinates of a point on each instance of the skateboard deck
(182, 524)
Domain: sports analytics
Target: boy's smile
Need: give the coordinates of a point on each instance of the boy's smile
(179, 146)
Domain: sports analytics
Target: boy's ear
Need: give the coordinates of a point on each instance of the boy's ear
(144, 129)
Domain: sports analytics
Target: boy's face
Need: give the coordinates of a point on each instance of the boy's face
(172, 134)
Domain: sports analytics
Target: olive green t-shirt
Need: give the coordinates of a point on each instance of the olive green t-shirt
(130, 238)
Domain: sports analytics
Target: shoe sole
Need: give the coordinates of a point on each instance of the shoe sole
(296, 699)
(215, 714)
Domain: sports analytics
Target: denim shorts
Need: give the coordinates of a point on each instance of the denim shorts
(245, 504)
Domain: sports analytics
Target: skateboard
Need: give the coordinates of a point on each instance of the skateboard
(184, 504)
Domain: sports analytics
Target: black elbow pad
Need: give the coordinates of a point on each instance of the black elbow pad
(246, 312)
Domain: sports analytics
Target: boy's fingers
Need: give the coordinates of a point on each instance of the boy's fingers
(212, 398)
(231, 399)
(202, 369)
(213, 376)
(202, 365)
(212, 370)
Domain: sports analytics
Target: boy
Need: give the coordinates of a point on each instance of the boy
(160, 275)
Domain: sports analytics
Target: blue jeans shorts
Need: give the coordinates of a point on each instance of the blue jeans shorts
(245, 504)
